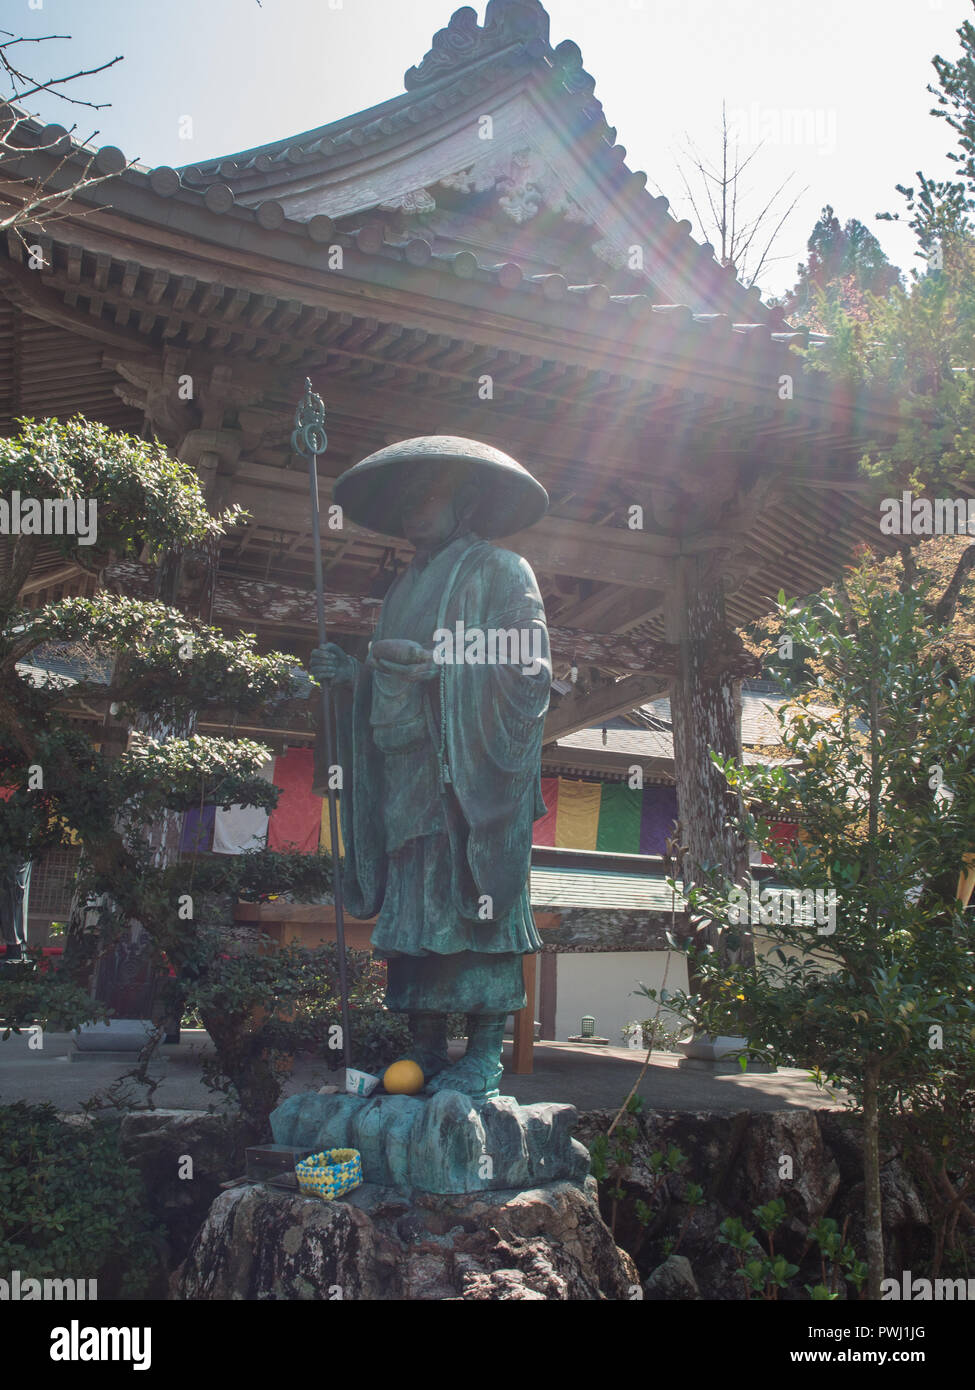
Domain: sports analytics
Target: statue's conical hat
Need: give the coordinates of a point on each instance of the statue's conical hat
(370, 492)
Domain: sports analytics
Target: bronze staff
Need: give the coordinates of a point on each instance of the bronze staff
(309, 440)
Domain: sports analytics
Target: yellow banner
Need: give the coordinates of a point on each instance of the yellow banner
(325, 841)
(577, 817)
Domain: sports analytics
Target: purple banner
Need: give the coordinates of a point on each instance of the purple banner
(198, 830)
(657, 820)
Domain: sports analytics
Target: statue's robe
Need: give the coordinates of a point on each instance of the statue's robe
(442, 787)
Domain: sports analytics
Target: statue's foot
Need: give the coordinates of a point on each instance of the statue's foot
(475, 1075)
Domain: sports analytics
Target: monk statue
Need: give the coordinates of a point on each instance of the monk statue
(439, 741)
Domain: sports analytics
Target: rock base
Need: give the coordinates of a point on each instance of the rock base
(441, 1144)
(545, 1243)
(671, 1282)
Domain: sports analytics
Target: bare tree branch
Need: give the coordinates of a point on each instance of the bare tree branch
(41, 204)
(764, 259)
(38, 202)
(724, 192)
(32, 85)
(752, 229)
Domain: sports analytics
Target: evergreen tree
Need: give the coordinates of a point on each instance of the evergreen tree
(846, 266)
(153, 668)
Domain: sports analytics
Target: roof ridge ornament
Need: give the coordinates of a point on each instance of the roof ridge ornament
(463, 41)
(567, 61)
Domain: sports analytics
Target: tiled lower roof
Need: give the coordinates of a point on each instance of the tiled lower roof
(759, 720)
(604, 889)
(601, 888)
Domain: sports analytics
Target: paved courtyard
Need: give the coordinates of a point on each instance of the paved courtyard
(591, 1078)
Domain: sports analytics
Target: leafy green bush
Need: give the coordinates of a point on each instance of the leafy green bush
(70, 1205)
(36, 991)
(378, 1038)
(264, 873)
(766, 1272)
(261, 1009)
(611, 1163)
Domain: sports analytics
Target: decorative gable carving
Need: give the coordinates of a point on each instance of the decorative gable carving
(610, 253)
(457, 44)
(524, 183)
(416, 201)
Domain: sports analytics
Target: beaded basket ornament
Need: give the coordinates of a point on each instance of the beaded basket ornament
(331, 1173)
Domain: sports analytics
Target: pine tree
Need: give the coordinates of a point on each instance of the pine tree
(846, 266)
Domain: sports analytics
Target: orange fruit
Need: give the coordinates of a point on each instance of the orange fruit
(403, 1078)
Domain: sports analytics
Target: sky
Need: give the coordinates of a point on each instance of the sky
(833, 91)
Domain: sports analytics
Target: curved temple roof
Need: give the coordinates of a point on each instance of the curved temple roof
(497, 134)
(482, 225)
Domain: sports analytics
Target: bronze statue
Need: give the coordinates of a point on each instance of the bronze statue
(439, 737)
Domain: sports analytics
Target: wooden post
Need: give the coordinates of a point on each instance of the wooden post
(524, 1038)
(547, 993)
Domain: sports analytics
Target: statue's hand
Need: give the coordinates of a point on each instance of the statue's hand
(331, 663)
(395, 656)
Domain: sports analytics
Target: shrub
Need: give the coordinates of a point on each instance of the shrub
(261, 1009)
(70, 1205)
(35, 991)
(378, 1038)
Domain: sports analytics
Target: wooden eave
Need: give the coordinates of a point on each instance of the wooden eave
(602, 435)
(605, 766)
(183, 292)
(151, 227)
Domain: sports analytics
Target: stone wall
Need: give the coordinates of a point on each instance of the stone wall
(604, 929)
(738, 1160)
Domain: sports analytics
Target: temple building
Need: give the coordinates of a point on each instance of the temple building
(473, 256)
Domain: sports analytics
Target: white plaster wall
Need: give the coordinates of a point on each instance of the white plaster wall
(602, 983)
(765, 946)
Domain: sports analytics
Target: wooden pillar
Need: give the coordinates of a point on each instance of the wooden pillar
(705, 705)
(547, 993)
(524, 1036)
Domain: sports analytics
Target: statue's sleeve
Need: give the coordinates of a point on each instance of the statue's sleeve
(360, 799)
(495, 715)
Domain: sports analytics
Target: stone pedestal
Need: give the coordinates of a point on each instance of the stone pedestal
(116, 1040)
(440, 1144)
(129, 982)
(719, 1056)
